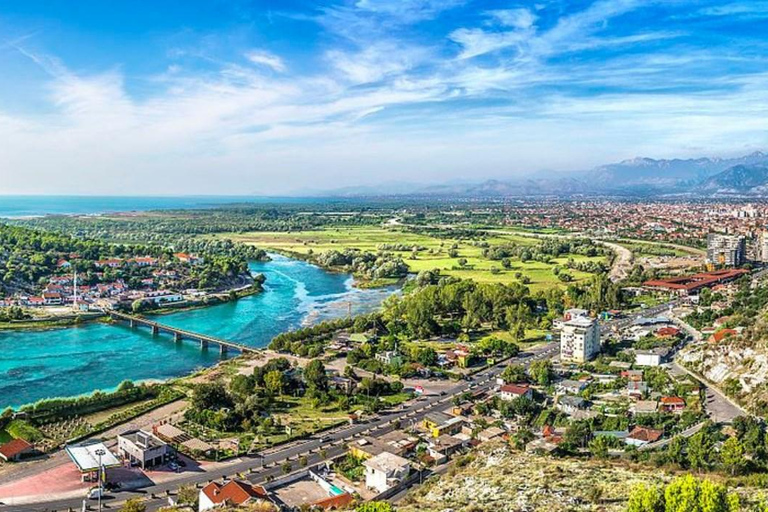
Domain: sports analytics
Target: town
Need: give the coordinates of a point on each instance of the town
(390, 414)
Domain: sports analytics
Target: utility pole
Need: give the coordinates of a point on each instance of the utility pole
(100, 452)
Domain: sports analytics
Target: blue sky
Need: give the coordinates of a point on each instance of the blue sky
(239, 97)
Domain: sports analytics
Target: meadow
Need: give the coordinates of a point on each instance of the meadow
(435, 253)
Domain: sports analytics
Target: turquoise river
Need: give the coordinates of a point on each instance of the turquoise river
(73, 361)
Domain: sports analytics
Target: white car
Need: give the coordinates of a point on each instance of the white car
(95, 493)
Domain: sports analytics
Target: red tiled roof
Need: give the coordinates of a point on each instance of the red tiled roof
(13, 448)
(668, 331)
(233, 492)
(697, 281)
(342, 500)
(722, 334)
(645, 434)
(672, 400)
(515, 389)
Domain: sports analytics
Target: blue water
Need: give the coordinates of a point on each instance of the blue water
(27, 206)
(68, 362)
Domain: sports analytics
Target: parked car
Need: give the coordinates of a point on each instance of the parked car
(95, 493)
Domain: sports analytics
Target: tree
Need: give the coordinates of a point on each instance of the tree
(134, 505)
(732, 456)
(514, 373)
(700, 448)
(646, 498)
(315, 375)
(274, 381)
(188, 495)
(541, 372)
(599, 446)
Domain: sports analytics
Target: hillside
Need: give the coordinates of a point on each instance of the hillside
(502, 479)
(739, 179)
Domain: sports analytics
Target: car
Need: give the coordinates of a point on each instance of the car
(95, 493)
(173, 466)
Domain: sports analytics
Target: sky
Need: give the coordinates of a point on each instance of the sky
(283, 96)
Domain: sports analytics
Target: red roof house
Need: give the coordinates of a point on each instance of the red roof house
(231, 493)
(14, 450)
(720, 335)
(672, 404)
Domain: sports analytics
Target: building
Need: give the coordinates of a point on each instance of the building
(89, 457)
(761, 249)
(688, 285)
(571, 404)
(579, 339)
(385, 471)
(15, 450)
(142, 448)
(232, 493)
(509, 392)
(443, 447)
(653, 357)
(640, 436)
(571, 386)
(726, 250)
(673, 404)
(438, 423)
(389, 357)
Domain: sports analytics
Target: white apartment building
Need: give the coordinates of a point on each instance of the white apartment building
(579, 339)
(726, 250)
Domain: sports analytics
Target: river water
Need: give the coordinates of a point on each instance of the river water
(73, 361)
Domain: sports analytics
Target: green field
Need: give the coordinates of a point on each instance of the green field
(435, 255)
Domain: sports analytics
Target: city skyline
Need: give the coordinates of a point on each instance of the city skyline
(274, 97)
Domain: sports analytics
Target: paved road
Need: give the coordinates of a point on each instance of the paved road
(258, 467)
(720, 408)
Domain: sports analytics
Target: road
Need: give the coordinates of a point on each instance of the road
(623, 262)
(257, 468)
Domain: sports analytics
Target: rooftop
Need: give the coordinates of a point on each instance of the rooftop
(386, 462)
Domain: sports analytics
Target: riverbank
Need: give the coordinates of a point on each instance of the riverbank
(41, 363)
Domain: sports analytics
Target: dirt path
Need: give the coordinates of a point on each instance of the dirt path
(622, 264)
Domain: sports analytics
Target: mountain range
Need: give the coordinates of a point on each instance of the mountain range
(648, 177)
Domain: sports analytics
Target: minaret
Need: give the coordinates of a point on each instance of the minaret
(74, 285)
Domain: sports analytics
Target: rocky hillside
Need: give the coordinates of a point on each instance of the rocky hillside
(739, 179)
(501, 479)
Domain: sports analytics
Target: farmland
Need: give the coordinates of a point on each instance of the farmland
(452, 256)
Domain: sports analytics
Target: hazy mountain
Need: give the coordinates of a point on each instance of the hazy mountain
(739, 179)
(638, 176)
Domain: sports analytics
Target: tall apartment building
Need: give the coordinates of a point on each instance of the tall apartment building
(579, 338)
(761, 247)
(727, 250)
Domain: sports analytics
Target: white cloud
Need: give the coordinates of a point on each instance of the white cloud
(267, 59)
(520, 18)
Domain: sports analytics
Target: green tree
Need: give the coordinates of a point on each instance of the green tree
(541, 372)
(375, 506)
(732, 456)
(274, 382)
(700, 447)
(646, 498)
(134, 505)
(315, 375)
(514, 373)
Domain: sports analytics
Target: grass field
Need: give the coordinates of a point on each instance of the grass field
(435, 255)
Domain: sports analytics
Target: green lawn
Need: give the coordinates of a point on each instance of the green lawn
(435, 255)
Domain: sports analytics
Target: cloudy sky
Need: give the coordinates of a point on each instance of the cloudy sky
(274, 96)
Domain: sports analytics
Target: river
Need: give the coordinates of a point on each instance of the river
(77, 360)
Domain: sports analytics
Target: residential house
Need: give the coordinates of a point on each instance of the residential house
(570, 404)
(720, 335)
(645, 407)
(509, 392)
(443, 447)
(640, 436)
(14, 450)
(232, 493)
(385, 471)
(142, 448)
(570, 386)
(653, 357)
(390, 357)
(672, 404)
(490, 433)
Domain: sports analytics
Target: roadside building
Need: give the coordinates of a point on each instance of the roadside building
(579, 339)
(443, 447)
(389, 357)
(571, 404)
(385, 471)
(509, 392)
(232, 493)
(89, 457)
(142, 448)
(438, 423)
(14, 450)
(573, 387)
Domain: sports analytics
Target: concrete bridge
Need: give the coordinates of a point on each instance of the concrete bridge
(180, 334)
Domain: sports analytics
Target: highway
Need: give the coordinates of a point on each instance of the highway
(258, 467)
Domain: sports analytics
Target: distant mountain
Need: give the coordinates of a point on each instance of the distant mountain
(637, 177)
(739, 179)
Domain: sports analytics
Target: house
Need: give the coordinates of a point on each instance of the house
(144, 261)
(396, 442)
(62, 263)
(653, 357)
(672, 404)
(233, 492)
(645, 407)
(443, 447)
(390, 357)
(15, 450)
(438, 423)
(668, 332)
(640, 436)
(636, 389)
(571, 386)
(509, 392)
(490, 433)
(52, 298)
(386, 471)
(111, 263)
(570, 404)
(142, 448)
(720, 335)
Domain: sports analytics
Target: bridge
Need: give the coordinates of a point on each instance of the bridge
(180, 334)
